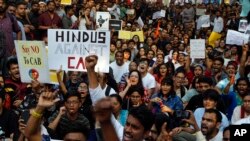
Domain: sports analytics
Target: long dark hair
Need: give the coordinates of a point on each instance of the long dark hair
(168, 81)
(139, 77)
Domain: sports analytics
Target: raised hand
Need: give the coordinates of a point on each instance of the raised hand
(91, 61)
(103, 110)
(47, 99)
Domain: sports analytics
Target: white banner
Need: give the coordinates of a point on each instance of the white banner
(236, 38)
(70, 47)
(197, 48)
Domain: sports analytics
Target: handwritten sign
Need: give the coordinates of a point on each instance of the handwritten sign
(197, 48)
(70, 47)
(32, 61)
(236, 38)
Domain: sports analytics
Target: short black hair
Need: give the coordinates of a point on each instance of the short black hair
(12, 61)
(118, 97)
(220, 59)
(211, 94)
(67, 8)
(144, 116)
(216, 112)
(144, 60)
(34, 2)
(71, 94)
(77, 128)
(135, 88)
(21, 3)
(205, 79)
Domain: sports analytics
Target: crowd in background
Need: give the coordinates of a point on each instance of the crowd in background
(154, 91)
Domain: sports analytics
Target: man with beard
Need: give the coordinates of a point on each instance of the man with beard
(49, 20)
(21, 17)
(15, 89)
(119, 67)
(60, 12)
(210, 124)
(215, 69)
(8, 25)
(33, 17)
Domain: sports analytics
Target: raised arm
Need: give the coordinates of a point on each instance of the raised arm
(33, 128)
(243, 59)
(90, 63)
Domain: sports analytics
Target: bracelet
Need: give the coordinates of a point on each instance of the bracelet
(35, 114)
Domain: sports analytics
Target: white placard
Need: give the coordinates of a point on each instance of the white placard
(243, 25)
(197, 48)
(32, 61)
(140, 22)
(157, 15)
(102, 20)
(203, 21)
(163, 13)
(70, 47)
(236, 38)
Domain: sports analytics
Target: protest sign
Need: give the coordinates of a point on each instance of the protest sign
(157, 15)
(70, 47)
(203, 21)
(140, 22)
(213, 37)
(200, 11)
(163, 13)
(32, 61)
(66, 2)
(248, 30)
(115, 24)
(236, 38)
(102, 20)
(197, 48)
(243, 25)
(124, 35)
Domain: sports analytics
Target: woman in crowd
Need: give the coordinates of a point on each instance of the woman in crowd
(166, 97)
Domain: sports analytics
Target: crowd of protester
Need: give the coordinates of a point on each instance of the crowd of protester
(154, 91)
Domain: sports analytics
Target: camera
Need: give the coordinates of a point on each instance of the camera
(181, 114)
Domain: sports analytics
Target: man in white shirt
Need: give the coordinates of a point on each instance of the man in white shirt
(218, 23)
(210, 124)
(119, 67)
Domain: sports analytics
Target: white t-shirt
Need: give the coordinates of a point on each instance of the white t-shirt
(118, 71)
(148, 81)
(82, 24)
